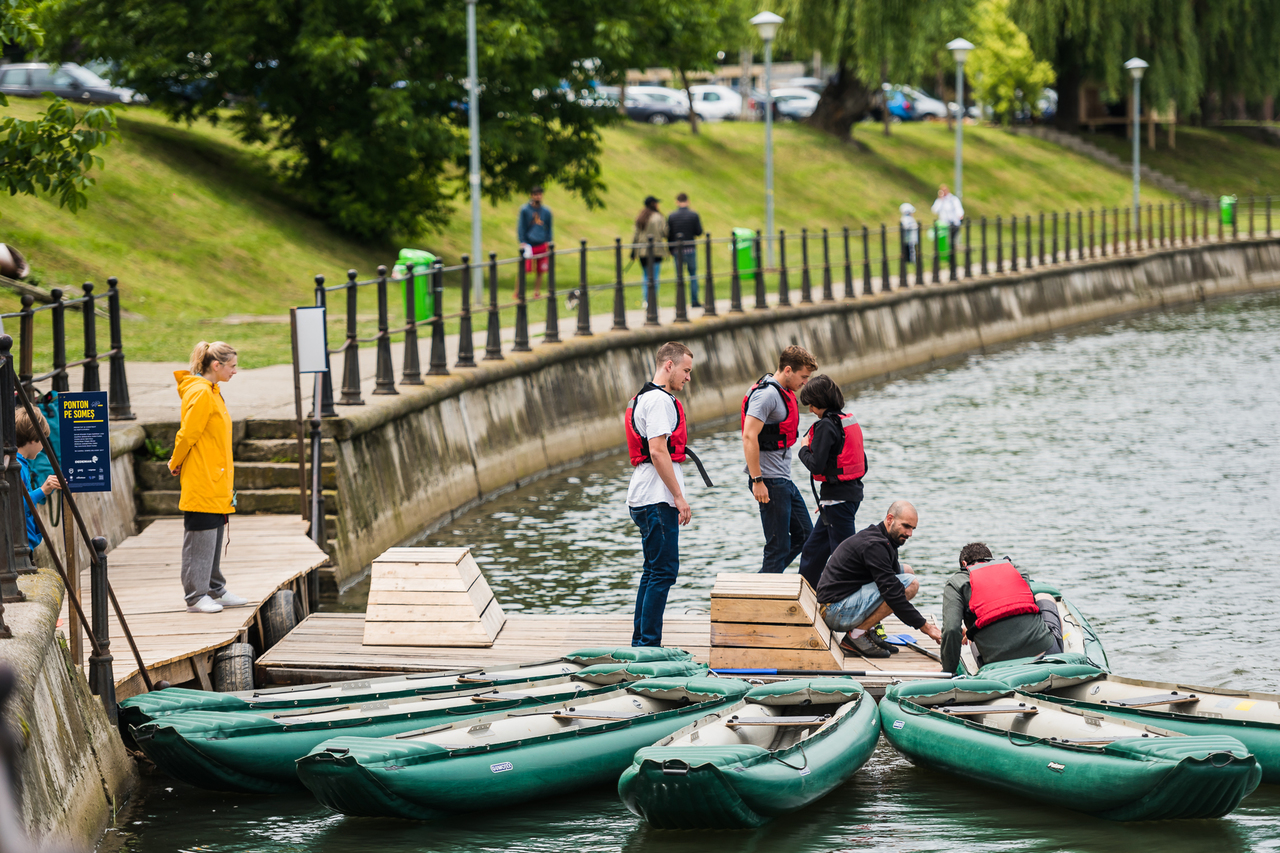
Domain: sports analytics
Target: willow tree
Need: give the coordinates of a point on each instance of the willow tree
(869, 42)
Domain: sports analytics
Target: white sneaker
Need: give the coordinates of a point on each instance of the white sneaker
(230, 599)
(204, 605)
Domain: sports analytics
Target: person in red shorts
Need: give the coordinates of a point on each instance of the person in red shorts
(533, 231)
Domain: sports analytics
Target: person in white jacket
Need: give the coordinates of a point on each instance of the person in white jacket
(949, 210)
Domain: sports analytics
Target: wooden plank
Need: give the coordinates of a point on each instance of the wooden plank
(451, 583)
(759, 611)
(466, 573)
(424, 614)
(480, 594)
(769, 636)
(493, 619)
(738, 658)
(386, 605)
(422, 555)
(426, 633)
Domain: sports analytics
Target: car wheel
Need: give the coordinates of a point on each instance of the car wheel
(659, 118)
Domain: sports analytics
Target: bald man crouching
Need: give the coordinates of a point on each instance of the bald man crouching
(863, 582)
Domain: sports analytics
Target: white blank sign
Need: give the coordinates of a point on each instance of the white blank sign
(311, 347)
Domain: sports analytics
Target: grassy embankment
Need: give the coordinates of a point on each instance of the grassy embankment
(193, 225)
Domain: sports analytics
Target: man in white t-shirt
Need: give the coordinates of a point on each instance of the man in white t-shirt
(950, 212)
(657, 434)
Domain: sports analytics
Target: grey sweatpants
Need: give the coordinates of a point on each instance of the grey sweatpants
(201, 558)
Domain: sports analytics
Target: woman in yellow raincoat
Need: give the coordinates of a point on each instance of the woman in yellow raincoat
(202, 459)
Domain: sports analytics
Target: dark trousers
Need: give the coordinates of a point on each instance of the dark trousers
(786, 524)
(660, 536)
(836, 523)
(690, 262)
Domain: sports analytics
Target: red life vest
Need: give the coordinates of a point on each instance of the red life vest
(777, 436)
(851, 461)
(997, 591)
(638, 445)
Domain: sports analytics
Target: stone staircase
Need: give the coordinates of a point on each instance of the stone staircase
(1082, 146)
(266, 458)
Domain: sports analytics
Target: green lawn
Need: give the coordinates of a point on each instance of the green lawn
(1217, 162)
(197, 231)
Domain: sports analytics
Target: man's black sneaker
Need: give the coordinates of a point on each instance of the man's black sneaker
(862, 646)
(881, 639)
(695, 304)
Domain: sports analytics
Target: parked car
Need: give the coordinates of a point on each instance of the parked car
(900, 106)
(715, 103)
(793, 104)
(656, 105)
(70, 81)
(807, 83)
(923, 105)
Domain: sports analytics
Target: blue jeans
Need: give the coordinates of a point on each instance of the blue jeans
(690, 261)
(835, 524)
(654, 271)
(660, 536)
(857, 607)
(786, 524)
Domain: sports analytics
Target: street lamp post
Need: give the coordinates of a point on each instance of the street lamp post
(473, 117)
(960, 50)
(767, 23)
(1136, 66)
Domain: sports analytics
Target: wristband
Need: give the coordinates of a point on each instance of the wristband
(759, 479)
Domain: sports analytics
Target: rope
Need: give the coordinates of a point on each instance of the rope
(792, 766)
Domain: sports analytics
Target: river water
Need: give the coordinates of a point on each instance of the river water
(1135, 464)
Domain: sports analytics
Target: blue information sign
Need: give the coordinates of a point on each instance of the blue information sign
(85, 436)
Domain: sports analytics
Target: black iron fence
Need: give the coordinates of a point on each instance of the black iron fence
(758, 272)
(59, 376)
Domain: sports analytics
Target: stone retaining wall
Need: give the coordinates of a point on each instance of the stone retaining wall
(437, 452)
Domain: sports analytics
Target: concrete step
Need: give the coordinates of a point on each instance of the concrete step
(276, 429)
(249, 501)
(155, 476)
(280, 450)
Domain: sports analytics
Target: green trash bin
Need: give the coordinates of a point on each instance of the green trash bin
(940, 236)
(423, 305)
(744, 241)
(1227, 205)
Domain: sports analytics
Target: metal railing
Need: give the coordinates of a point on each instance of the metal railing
(59, 376)
(13, 531)
(865, 261)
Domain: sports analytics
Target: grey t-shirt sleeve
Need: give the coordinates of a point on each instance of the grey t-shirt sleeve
(768, 406)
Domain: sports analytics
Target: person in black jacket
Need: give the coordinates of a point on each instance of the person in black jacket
(840, 497)
(685, 224)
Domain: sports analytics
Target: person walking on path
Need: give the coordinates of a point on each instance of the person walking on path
(990, 603)
(832, 451)
(910, 231)
(533, 233)
(864, 582)
(202, 459)
(29, 447)
(685, 224)
(950, 212)
(657, 434)
(650, 224)
(770, 425)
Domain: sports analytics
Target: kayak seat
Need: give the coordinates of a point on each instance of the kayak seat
(777, 721)
(1153, 700)
(981, 710)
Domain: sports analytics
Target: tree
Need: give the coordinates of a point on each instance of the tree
(52, 154)
(870, 40)
(367, 101)
(687, 35)
(1004, 70)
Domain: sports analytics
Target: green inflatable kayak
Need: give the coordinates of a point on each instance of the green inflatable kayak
(511, 758)
(255, 752)
(1249, 717)
(1109, 767)
(146, 707)
(784, 746)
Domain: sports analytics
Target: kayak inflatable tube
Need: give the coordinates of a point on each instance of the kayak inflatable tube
(1250, 717)
(256, 752)
(137, 710)
(1092, 646)
(508, 760)
(1132, 772)
(713, 775)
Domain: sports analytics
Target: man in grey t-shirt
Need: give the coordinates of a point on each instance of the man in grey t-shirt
(770, 425)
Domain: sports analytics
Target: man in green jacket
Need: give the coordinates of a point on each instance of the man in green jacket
(990, 604)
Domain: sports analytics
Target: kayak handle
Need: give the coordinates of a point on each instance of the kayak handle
(674, 767)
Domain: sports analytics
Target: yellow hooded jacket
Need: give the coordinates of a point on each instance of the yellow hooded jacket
(203, 447)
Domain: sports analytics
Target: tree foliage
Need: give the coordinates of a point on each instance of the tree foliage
(367, 98)
(52, 154)
(1002, 67)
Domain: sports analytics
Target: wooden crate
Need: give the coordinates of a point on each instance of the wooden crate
(430, 597)
(768, 621)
